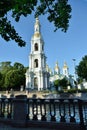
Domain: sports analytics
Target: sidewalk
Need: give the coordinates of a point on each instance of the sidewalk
(7, 127)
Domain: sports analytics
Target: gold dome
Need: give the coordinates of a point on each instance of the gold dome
(65, 65)
(37, 35)
(56, 66)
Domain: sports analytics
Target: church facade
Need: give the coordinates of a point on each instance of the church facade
(39, 76)
(36, 76)
(58, 73)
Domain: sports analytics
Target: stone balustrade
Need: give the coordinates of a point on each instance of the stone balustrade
(23, 111)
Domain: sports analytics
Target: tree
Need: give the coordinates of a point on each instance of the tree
(14, 79)
(12, 76)
(18, 66)
(1, 80)
(56, 83)
(81, 69)
(5, 67)
(58, 12)
(63, 83)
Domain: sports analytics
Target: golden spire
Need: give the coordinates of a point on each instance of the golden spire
(56, 65)
(37, 27)
(65, 65)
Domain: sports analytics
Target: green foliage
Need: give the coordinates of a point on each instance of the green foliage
(12, 76)
(61, 82)
(61, 91)
(64, 83)
(81, 69)
(73, 90)
(18, 66)
(82, 90)
(14, 79)
(5, 67)
(8, 32)
(1, 80)
(58, 12)
(56, 84)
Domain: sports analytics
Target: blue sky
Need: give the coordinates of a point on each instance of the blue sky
(59, 46)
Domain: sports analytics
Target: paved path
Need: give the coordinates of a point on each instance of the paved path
(7, 127)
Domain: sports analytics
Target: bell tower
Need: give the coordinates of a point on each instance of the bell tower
(56, 69)
(65, 70)
(37, 77)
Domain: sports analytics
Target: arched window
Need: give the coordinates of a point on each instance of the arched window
(36, 47)
(36, 83)
(36, 63)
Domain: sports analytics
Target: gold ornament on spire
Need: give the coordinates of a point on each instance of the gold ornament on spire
(56, 65)
(37, 26)
(65, 65)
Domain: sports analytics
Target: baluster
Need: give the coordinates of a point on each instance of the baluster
(50, 108)
(43, 106)
(72, 108)
(58, 110)
(28, 108)
(74, 120)
(62, 111)
(38, 111)
(41, 110)
(9, 108)
(69, 110)
(37, 108)
(82, 125)
(52, 111)
(85, 112)
(31, 108)
(2, 108)
(45, 110)
(34, 109)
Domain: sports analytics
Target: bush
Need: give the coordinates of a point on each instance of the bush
(61, 91)
(45, 91)
(72, 91)
(82, 90)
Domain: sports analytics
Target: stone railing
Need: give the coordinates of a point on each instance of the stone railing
(20, 111)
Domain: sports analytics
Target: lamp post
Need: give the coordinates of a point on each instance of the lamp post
(74, 60)
(75, 78)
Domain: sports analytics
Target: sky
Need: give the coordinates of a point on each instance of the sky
(59, 46)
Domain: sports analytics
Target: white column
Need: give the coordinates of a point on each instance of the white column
(39, 82)
(45, 80)
(42, 82)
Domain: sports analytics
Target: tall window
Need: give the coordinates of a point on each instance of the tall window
(36, 47)
(36, 63)
(35, 82)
